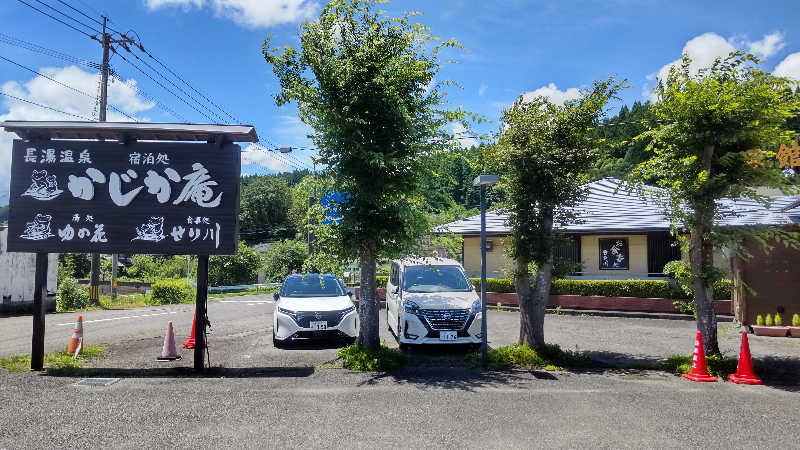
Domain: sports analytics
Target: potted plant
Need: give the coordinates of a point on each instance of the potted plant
(794, 330)
(770, 327)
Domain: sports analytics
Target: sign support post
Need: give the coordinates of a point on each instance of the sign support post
(200, 310)
(39, 296)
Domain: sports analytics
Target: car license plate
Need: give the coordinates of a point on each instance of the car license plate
(321, 325)
(448, 335)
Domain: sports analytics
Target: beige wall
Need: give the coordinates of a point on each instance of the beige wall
(496, 259)
(637, 257)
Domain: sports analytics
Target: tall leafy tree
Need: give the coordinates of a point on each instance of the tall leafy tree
(716, 137)
(264, 206)
(545, 154)
(365, 84)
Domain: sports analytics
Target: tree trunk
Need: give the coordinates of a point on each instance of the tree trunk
(533, 302)
(368, 306)
(701, 258)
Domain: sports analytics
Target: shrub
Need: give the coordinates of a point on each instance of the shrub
(551, 357)
(504, 285)
(228, 270)
(380, 281)
(610, 288)
(170, 292)
(796, 320)
(381, 359)
(150, 268)
(768, 320)
(283, 257)
(760, 320)
(71, 296)
(717, 365)
(778, 320)
(74, 265)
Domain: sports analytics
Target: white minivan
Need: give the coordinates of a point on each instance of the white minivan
(430, 300)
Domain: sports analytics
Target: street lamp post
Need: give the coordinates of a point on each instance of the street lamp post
(483, 181)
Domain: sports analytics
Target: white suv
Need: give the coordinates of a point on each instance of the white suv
(430, 300)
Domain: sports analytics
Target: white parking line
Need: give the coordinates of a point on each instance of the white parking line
(118, 318)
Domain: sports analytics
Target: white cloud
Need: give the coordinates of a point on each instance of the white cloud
(259, 156)
(45, 92)
(707, 47)
(482, 89)
(461, 136)
(769, 45)
(250, 13)
(789, 67)
(552, 93)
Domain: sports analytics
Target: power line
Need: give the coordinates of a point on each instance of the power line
(56, 18)
(79, 12)
(140, 47)
(159, 83)
(217, 117)
(65, 85)
(68, 16)
(45, 106)
(10, 40)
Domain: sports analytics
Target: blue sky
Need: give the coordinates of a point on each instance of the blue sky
(513, 47)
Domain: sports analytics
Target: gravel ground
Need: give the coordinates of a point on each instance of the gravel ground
(264, 397)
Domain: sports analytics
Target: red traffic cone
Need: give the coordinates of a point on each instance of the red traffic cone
(744, 370)
(168, 350)
(699, 371)
(76, 342)
(190, 343)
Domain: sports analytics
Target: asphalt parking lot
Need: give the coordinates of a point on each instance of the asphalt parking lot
(262, 397)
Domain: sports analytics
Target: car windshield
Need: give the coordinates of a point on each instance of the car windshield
(435, 279)
(312, 285)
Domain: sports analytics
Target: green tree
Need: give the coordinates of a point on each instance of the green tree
(545, 154)
(282, 258)
(264, 206)
(365, 84)
(150, 268)
(229, 270)
(716, 137)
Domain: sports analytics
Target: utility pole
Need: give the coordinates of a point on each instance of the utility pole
(94, 284)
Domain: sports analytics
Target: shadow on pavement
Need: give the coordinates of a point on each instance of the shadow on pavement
(182, 372)
(459, 378)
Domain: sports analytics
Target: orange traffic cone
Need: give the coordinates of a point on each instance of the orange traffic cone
(190, 343)
(76, 343)
(699, 371)
(744, 370)
(168, 350)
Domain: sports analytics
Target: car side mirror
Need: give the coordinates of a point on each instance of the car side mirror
(471, 287)
(350, 293)
(276, 296)
(396, 290)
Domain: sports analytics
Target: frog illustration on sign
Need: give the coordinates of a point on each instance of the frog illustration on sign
(43, 187)
(39, 229)
(153, 230)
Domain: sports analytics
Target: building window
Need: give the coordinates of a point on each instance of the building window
(614, 254)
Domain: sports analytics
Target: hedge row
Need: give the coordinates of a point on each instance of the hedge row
(171, 292)
(609, 288)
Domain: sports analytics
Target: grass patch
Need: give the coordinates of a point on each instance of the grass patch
(517, 356)
(718, 365)
(53, 360)
(381, 359)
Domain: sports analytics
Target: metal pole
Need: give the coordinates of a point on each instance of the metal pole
(94, 284)
(114, 263)
(39, 309)
(484, 345)
(200, 310)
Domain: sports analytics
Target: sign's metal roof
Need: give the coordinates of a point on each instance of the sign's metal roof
(124, 131)
(611, 206)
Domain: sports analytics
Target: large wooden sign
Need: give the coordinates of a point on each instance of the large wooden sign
(109, 197)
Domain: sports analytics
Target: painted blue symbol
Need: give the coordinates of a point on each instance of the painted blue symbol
(331, 202)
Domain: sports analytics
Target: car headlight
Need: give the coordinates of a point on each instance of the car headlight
(347, 311)
(292, 314)
(476, 307)
(410, 307)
